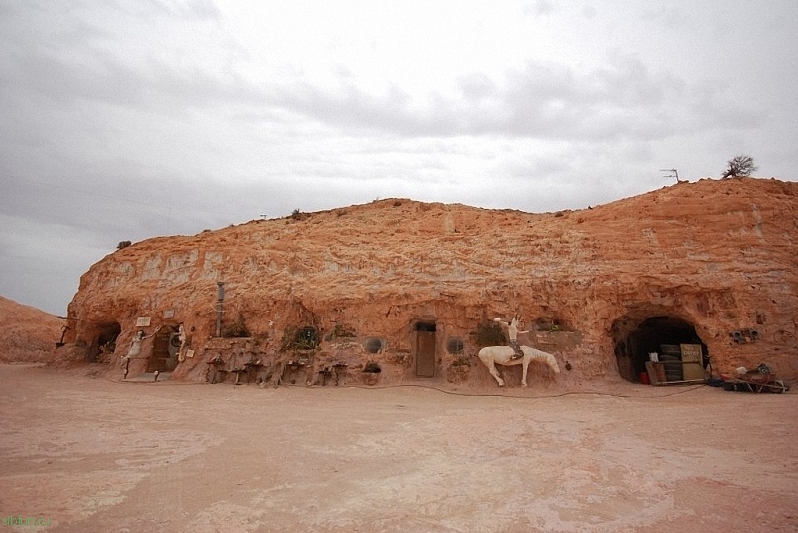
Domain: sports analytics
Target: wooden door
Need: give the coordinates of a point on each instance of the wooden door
(425, 350)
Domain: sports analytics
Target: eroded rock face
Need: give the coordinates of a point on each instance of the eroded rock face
(27, 334)
(413, 288)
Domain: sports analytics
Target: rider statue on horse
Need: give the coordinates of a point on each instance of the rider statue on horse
(512, 333)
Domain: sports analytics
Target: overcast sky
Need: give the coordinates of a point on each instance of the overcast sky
(124, 120)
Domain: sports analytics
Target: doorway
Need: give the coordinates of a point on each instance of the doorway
(165, 346)
(635, 339)
(425, 349)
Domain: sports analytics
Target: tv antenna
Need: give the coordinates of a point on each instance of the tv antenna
(672, 173)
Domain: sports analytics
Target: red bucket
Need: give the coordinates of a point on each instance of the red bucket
(644, 378)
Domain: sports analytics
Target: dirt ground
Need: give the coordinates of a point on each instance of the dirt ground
(92, 455)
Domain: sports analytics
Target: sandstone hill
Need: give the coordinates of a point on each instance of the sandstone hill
(28, 334)
(411, 289)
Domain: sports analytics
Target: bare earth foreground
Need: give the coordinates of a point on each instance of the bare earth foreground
(92, 455)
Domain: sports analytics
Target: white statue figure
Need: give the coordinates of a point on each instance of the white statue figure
(135, 349)
(181, 335)
(135, 345)
(504, 355)
(512, 333)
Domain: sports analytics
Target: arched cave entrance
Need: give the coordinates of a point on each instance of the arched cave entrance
(635, 338)
(105, 342)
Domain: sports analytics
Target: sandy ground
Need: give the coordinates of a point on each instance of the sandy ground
(91, 455)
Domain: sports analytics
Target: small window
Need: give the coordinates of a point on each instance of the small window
(454, 345)
(374, 345)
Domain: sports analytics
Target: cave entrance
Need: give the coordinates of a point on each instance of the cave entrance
(635, 338)
(425, 349)
(165, 348)
(105, 343)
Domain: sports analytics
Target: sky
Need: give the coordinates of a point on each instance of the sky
(125, 120)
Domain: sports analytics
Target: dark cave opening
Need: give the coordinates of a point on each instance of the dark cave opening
(105, 344)
(634, 339)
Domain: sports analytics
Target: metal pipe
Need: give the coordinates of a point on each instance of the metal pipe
(219, 302)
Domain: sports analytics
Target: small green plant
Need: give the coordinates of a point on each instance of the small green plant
(123, 244)
(489, 334)
(550, 324)
(306, 338)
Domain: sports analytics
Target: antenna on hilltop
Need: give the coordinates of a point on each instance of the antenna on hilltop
(672, 173)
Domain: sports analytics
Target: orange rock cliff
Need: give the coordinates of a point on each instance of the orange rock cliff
(28, 334)
(411, 289)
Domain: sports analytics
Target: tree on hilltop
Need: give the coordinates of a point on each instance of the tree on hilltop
(739, 166)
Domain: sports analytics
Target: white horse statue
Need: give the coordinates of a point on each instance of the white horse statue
(503, 355)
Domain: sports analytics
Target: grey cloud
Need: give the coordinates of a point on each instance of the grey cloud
(539, 8)
(61, 62)
(102, 77)
(201, 9)
(668, 16)
(477, 86)
(717, 106)
(542, 100)
(189, 9)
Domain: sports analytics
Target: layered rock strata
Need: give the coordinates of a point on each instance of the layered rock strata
(412, 289)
